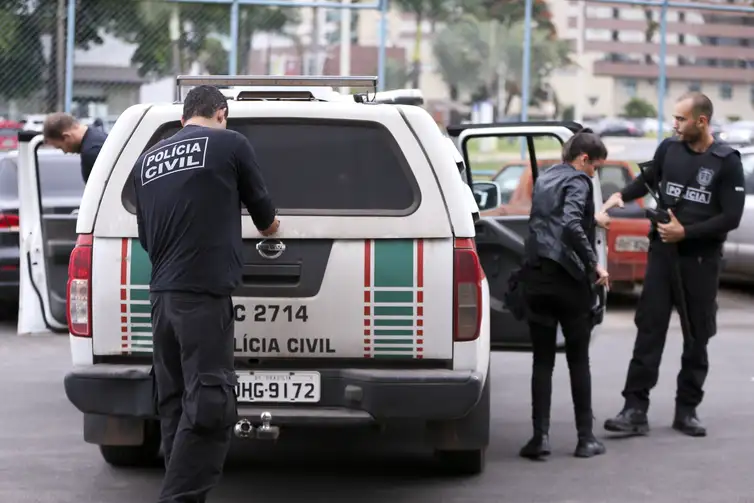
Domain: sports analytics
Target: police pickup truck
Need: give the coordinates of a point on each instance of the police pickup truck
(373, 306)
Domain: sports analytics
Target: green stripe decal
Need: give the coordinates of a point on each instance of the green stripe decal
(393, 298)
(136, 311)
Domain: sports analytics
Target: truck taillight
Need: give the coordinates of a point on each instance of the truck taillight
(9, 223)
(79, 291)
(467, 291)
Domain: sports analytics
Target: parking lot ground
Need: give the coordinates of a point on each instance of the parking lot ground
(44, 459)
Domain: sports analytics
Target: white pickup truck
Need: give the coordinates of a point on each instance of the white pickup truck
(376, 303)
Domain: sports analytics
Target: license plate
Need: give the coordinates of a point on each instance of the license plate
(285, 387)
(631, 244)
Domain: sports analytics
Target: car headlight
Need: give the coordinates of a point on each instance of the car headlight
(632, 244)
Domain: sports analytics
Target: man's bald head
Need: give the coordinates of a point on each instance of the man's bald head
(700, 104)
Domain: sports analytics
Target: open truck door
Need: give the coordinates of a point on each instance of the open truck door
(47, 228)
(487, 149)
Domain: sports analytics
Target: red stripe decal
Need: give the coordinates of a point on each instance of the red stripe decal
(367, 296)
(420, 263)
(123, 260)
(123, 293)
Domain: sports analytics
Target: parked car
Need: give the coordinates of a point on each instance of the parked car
(618, 127)
(627, 238)
(738, 264)
(9, 134)
(61, 187)
(737, 134)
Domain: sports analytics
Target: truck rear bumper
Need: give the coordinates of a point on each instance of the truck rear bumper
(348, 396)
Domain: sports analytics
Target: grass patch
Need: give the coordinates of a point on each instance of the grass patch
(654, 135)
(512, 145)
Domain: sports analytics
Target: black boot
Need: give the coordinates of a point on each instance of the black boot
(688, 423)
(588, 445)
(631, 421)
(541, 393)
(536, 448)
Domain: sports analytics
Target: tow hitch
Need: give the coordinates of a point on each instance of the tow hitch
(265, 431)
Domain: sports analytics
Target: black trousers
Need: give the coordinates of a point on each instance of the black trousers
(553, 296)
(700, 276)
(193, 367)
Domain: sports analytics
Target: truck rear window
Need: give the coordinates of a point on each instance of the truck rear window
(326, 166)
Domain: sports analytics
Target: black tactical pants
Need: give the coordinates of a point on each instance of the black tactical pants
(700, 279)
(193, 366)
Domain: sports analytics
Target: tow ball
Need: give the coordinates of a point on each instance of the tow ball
(265, 431)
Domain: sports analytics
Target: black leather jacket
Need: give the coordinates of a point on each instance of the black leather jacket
(561, 224)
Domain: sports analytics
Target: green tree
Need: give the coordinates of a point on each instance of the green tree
(425, 10)
(485, 57)
(25, 69)
(639, 108)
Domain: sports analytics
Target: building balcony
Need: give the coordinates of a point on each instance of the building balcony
(640, 70)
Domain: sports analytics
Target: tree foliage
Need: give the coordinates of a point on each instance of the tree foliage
(23, 23)
(482, 57)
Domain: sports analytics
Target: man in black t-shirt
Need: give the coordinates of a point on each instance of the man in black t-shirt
(701, 183)
(189, 191)
(63, 131)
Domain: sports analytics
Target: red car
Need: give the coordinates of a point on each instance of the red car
(9, 135)
(627, 237)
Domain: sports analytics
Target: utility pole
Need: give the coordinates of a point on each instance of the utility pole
(60, 57)
(345, 43)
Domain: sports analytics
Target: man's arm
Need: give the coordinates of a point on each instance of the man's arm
(732, 196)
(87, 161)
(252, 188)
(637, 188)
(576, 195)
(139, 220)
(89, 156)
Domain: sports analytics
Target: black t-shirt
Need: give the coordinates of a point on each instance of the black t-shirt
(189, 189)
(91, 144)
(705, 191)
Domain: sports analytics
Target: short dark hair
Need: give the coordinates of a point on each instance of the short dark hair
(56, 124)
(204, 101)
(586, 142)
(700, 104)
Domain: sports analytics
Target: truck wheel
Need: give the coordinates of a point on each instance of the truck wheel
(463, 462)
(468, 438)
(136, 456)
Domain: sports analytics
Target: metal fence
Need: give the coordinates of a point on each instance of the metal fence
(129, 51)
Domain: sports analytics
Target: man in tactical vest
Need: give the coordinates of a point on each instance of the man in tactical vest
(700, 183)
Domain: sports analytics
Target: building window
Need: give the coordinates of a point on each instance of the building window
(629, 85)
(695, 87)
(726, 91)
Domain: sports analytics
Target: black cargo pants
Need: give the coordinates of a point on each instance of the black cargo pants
(193, 367)
(700, 276)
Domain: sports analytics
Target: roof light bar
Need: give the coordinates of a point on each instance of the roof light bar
(273, 80)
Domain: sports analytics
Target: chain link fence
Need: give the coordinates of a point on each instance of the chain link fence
(128, 51)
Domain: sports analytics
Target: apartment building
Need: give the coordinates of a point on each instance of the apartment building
(619, 56)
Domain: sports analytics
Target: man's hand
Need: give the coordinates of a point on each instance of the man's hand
(603, 219)
(671, 232)
(615, 200)
(602, 276)
(272, 229)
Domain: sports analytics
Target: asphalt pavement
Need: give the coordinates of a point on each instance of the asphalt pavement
(44, 459)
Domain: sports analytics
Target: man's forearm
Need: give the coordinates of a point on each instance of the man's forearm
(634, 190)
(712, 227)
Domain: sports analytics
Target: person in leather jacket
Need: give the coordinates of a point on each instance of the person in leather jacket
(558, 284)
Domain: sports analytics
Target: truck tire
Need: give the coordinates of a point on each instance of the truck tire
(470, 462)
(135, 456)
(470, 436)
